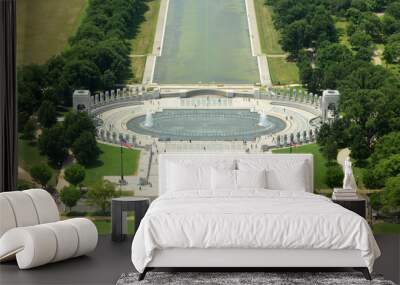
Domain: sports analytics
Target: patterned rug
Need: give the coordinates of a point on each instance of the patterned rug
(244, 278)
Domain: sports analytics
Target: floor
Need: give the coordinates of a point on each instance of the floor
(110, 260)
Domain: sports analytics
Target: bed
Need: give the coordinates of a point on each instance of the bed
(246, 211)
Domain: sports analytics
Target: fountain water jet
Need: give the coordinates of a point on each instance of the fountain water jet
(263, 120)
(149, 120)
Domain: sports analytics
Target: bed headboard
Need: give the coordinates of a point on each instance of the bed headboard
(171, 157)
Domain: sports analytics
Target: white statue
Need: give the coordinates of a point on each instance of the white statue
(349, 182)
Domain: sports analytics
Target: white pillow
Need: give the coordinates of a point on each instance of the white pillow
(184, 174)
(183, 178)
(251, 178)
(282, 174)
(223, 179)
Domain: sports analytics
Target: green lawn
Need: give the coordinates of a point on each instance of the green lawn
(341, 27)
(142, 44)
(110, 164)
(29, 155)
(104, 226)
(269, 36)
(282, 71)
(319, 162)
(44, 26)
(386, 228)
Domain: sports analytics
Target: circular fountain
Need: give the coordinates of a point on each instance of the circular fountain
(204, 124)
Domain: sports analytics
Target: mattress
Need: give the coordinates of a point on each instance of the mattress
(250, 219)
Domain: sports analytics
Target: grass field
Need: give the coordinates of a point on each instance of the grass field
(341, 27)
(44, 26)
(386, 228)
(319, 162)
(109, 164)
(269, 36)
(142, 44)
(104, 226)
(283, 72)
(28, 156)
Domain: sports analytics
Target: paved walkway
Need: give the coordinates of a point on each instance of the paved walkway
(24, 175)
(158, 43)
(265, 77)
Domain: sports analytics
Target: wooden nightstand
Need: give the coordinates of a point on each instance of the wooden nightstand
(358, 206)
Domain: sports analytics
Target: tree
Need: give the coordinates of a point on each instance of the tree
(364, 54)
(31, 82)
(85, 149)
(41, 173)
(386, 146)
(360, 39)
(372, 25)
(75, 174)
(69, 196)
(334, 175)
(375, 200)
(390, 25)
(29, 130)
(294, 37)
(47, 114)
(392, 194)
(330, 149)
(82, 74)
(75, 123)
(101, 194)
(52, 143)
(385, 169)
(392, 52)
(393, 9)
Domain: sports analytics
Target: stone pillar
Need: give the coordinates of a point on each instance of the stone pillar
(118, 94)
(294, 94)
(315, 99)
(107, 97)
(301, 95)
(304, 136)
(278, 140)
(298, 137)
(125, 92)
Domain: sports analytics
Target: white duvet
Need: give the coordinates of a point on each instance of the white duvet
(250, 219)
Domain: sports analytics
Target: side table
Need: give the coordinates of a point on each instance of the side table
(358, 206)
(119, 208)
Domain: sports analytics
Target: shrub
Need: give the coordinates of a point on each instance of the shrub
(334, 176)
(75, 174)
(41, 174)
(70, 196)
(100, 195)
